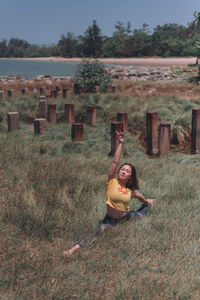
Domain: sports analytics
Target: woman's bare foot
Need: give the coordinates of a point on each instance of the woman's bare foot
(72, 250)
(150, 201)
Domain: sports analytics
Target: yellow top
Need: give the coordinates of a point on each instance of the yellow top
(118, 196)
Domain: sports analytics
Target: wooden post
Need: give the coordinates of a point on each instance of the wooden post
(69, 113)
(1, 95)
(53, 94)
(152, 133)
(43, 108)
(42, 97)
(164, 138)
(113, 89)
(39, 125)
(65, 93)
(114, 140)
(77, 132)
(57, 89)
(10, 93)
(24, 91)
(195, 134)
(13, 121)
(91, 115)
(52, 113)
(123, 117)
(41, 91)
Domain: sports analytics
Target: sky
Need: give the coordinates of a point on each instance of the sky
(42, 22)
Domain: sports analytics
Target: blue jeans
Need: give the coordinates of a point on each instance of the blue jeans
(108, 222)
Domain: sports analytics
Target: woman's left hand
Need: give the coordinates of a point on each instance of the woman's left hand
(120, 136)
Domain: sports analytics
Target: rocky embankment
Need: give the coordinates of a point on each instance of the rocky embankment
(33, 85)
(152, 73)
(136, 73)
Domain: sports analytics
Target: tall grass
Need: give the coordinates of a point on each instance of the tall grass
(53, 193)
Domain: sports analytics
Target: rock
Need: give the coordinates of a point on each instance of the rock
(49, 82)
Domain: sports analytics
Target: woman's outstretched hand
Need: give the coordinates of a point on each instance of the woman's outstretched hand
(120, 136)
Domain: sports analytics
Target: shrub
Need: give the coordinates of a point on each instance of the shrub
(91, 73)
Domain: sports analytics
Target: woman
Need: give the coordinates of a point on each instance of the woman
(118, 195)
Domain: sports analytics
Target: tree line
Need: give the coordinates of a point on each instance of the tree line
(167, 40)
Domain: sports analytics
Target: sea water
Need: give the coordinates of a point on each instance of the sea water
(30, 69)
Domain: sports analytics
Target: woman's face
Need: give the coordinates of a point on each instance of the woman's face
(124, 174)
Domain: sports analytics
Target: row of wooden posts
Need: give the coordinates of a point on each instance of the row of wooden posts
(157, 137)
(51, 94)
(64, 92)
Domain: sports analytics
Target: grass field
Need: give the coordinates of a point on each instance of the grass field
(53, 193)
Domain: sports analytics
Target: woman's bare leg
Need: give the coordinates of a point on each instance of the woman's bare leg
(80, 244)
(72, 250)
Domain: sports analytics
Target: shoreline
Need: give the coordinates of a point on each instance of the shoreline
(143, 61)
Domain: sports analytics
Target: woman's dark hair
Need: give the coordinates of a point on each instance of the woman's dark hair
(132, 183)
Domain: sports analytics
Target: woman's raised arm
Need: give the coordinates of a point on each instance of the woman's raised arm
(113, 168)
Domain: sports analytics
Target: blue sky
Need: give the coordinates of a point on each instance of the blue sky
(44, 21)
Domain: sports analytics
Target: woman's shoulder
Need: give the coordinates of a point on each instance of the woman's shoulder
(113, 180)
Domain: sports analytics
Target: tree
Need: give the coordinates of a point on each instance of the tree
(67, 45)
(3, 48)
(17, 48)
(197, 17)
(197, 44)
(119, 44)
(92, 41)
(167, 40)
(141, 42)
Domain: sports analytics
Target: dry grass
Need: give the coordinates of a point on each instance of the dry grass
(53, 193)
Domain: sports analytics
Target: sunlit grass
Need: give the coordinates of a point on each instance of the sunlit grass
(53, 193)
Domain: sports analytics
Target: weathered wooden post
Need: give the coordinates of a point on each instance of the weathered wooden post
(10, 93)
(164, 138)
(24, 91)
(13, 121)
(152, 133)
(195, 134)
(114, 140)
(52, 113)
(53, 94)
(91, 115)
(42, 97)
(123, 117)
(113, 89)
(43, 109)
(65, 93)
(77, 132)
(76, 89)
(39, 125)
(1, 95)
(41, 90)
(58, 88)
(69, 113)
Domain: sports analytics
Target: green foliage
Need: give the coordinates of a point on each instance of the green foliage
(67, 45)
(197, 17)
(92, 41)
(91, 73)
(170, 39)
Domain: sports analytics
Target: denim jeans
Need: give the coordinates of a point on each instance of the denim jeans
(108, 222)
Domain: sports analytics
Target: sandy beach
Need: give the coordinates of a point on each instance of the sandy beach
(144, 61)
